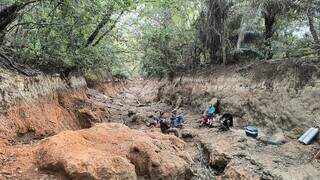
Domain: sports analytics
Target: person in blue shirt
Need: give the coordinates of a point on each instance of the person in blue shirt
(176, 120)
(210, 113)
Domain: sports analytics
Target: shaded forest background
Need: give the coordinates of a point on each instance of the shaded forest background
(102, 38)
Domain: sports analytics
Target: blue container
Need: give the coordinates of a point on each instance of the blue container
(251, 131)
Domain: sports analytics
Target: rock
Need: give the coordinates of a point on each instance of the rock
(236, 173)
(275, 139)
(187, 134)
(113, 151)
(278, 138)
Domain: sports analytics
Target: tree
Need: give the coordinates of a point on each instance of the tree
(271, 9)
(213, 32)
(63, 36)
(312, 8)
(9, 14)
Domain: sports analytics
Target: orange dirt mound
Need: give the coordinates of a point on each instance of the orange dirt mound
(113, 151)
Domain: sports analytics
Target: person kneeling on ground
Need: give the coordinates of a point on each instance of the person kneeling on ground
(226, 121)
(210, 113)
(166, 129)
(176, 120)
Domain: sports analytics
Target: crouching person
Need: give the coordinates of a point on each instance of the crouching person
(226, 121)
(176, 120)
(166, 129)
(210, 113)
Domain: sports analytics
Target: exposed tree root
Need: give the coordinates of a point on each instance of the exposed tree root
(8, 63)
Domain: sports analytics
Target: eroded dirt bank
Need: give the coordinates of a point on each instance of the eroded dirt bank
(53, 128)
(37, 107)
(279, 96)
(34, 148)
(232, 155)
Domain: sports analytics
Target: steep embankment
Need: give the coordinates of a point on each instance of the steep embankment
(37, 107)
(276, 96)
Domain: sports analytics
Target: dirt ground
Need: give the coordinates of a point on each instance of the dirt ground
(232, 155)
(215, 154)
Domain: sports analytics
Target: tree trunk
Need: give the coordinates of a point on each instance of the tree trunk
(9, 14)
(241, 33)
(106, 18)
(245, 22)
(109, 30)
(223, 44)
(212, 30)
(314, 32)
(269, 20)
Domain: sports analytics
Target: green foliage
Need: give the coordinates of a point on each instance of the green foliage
(160, 52)
(167, 37)
(53, 35)
(156, 38)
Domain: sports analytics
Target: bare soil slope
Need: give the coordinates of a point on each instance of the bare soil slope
(45, 141)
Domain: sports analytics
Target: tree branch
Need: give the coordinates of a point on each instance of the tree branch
(10, 13)
(104, 21)
(110, 29)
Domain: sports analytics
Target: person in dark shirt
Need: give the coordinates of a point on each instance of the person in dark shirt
(226, 121)
(167, 129)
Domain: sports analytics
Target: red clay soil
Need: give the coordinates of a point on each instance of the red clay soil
(50, 115)
(105, 151)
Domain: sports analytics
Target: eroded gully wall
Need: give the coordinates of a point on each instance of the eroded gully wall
(276, 95)
(44, 105)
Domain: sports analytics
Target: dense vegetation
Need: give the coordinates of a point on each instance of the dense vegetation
(156, 38)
